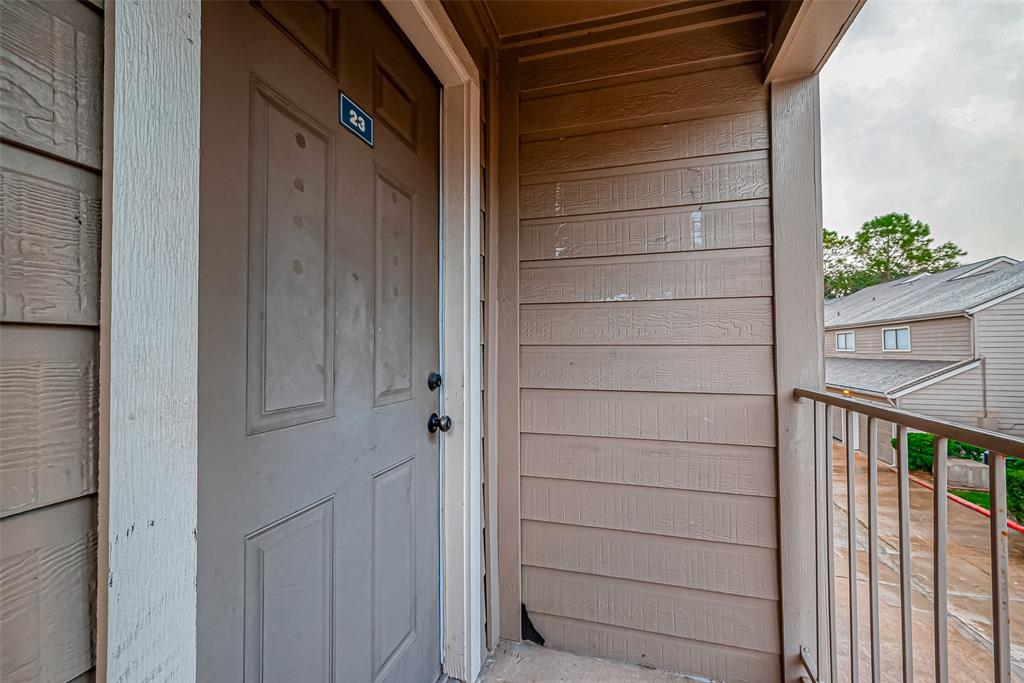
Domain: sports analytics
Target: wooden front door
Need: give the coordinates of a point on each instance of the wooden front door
(318, 480)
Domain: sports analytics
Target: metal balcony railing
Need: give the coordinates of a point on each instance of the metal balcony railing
(1000, 446)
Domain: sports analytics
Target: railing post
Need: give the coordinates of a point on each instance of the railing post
(876, 655)
(833, 663)
(940, 576)
(998, 549)
(906, 606)
(851, 534)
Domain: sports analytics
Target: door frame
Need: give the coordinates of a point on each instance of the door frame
(148, 450)
(426, 24)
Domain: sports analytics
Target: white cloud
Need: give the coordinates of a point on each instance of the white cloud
(923, 111)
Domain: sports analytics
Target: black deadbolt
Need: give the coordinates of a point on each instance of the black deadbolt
(434, 423)
(433, 381)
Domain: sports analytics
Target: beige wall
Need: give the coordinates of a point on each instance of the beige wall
(1000, 338)
(648, 484)
(52, 61)
(941, 339)
(957, 398)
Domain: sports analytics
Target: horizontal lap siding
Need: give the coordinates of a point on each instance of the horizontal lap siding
(958, 399)
(51, 58)
(648, 490)
(942, 339)
(1000, 337)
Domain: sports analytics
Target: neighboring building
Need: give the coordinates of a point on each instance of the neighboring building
(944, 344)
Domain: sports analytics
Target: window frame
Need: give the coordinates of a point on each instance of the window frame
(853, 341)
(897, 348)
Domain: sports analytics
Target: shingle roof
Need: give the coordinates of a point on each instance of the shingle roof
(923, 296)
(880, 376)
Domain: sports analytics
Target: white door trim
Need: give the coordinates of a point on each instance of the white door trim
(426, 24)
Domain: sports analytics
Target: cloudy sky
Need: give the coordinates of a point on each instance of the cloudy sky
(922, 111)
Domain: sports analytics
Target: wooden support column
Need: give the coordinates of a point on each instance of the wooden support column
(147, 627)
(507, 386)
(797, 271)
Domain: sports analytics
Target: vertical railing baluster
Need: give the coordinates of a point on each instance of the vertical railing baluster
(821, 598)
(905, 596)
(940, 577)
(876, 655)
(851, 535)
(830, 517)
(998, 549)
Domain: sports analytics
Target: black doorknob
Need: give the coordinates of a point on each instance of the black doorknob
(434, 380)
(434, 423)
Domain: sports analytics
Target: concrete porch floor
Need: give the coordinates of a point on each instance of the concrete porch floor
(530, 663)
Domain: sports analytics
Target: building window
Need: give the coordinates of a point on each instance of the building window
(896, 339)
(844, 341)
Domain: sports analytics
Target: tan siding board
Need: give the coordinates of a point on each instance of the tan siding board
(49, 393)
(1000, 338)
(717, 468)
(52, 78)
(688, 563)
(710, 321)
(695, 275)
(711, 369)
(957, 398)
(742, 132)
(738, 621)
(707, 418)
(48, 584)
(940, 339)
(717, 662)
(49, 240)
(678, 183)
(700, 47)
(742, 520)
(695, 228)
(697, 95)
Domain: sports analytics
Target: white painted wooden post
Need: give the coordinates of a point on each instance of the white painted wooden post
(799, 362)
(148, 595)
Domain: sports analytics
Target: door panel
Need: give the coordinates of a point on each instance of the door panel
(318, 482)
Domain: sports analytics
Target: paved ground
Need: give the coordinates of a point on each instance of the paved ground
(970, 625)
(530, 663)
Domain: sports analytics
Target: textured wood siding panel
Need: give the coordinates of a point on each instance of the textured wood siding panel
(52, 84)
(663, 652)
(701, 369)
(650, 186)
(942, 339)
(647, 454)
(744, 520)
(957, 398)
(49, 240)
(689, 96)
(667, 610)
(697, 275)
(742, 132)
(48, 584)
(695, 49)
(689, 563)
(707, 321)
(704, 418)
(999, 332)
(51, 116)
(49, 393)
(710, 226)
(744, 470)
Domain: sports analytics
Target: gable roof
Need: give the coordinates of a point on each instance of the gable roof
(888, 377)
(931, 295)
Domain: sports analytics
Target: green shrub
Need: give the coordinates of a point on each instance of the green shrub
(1015, 488)
(921, 448)
(920, 453)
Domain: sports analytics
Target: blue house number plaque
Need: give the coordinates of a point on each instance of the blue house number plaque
(356, 120)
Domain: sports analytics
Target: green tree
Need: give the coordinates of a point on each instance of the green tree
(885, 248)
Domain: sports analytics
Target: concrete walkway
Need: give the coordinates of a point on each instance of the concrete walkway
(970, 615)
(529, 663)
